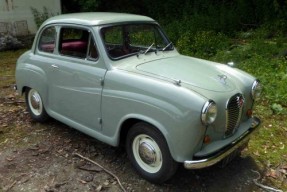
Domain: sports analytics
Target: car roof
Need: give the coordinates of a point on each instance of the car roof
(97, 18)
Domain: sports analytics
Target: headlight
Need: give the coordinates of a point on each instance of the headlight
(208, 113)
(256, 89)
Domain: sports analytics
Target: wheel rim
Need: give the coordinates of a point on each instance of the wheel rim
(35, 102)
(147, 153)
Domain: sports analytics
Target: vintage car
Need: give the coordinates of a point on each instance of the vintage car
(118, 78)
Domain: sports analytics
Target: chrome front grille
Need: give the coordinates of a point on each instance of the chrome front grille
(233, 113)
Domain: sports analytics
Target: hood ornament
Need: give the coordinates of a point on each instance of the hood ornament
(231, 64)
(222, 79)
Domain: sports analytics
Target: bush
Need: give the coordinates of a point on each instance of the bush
(40, 17)
(8, 42)
(273, 75)
(202, 44)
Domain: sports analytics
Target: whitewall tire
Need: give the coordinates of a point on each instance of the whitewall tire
(149, 153)
(35, 105)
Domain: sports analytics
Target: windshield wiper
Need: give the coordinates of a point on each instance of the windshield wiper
(167, 46)
(147, 50)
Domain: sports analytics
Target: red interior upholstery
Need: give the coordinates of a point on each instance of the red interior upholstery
(77, 46)
(47, 47)
(67, 47)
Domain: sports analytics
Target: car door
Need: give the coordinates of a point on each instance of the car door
(76, 78)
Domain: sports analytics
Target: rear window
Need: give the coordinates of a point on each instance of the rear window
(47, 40)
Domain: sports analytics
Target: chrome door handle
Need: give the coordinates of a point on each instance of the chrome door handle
(55, 66)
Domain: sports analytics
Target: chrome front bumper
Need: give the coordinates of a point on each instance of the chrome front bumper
(220, 155)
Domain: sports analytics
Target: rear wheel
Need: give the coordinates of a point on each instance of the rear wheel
(149, 153)
(35, 105)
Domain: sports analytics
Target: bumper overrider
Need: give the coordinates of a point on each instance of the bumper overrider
(226, 151)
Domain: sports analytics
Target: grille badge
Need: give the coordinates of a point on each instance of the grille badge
(240, 101)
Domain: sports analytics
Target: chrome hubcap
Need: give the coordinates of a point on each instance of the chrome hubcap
(35, 101)
(147, 153)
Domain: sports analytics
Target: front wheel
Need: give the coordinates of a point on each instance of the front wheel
(149, 153)
(35, 105)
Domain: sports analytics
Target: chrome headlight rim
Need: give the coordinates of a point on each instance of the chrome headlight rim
(256, 89)
(208, 112)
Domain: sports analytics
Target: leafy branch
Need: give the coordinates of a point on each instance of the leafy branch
(40, 17)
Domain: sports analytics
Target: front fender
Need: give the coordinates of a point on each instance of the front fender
(172, 109)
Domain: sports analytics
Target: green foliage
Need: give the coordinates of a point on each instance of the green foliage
(210, 15)
(276, 108)
(202, 44)
(40, 17)
(272, 74)
(87, 5)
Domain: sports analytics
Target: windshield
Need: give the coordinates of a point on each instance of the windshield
(126, 40)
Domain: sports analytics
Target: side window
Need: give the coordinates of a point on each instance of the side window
(47, 40)
(74, 42)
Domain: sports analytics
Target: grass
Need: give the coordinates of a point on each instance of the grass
(269, 146)
(7, 66)
(8, 60)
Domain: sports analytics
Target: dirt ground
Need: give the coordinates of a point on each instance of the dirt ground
(40, 157)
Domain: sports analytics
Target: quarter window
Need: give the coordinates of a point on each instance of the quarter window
(47, 40)
(93, 53)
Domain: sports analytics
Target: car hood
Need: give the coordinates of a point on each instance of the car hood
(187, 70)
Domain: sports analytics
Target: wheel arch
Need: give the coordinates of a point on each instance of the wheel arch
(127, 123)
(41, 91)
(23, 90)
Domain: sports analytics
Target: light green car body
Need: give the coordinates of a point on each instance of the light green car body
(103, 98)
